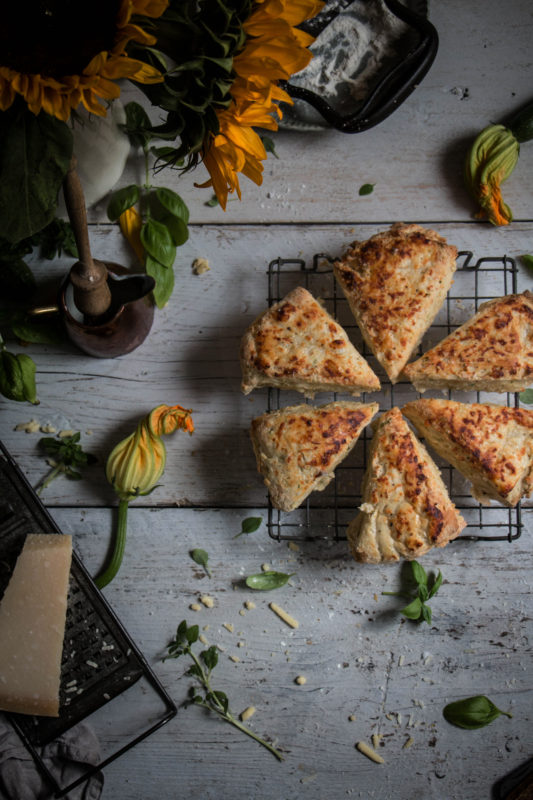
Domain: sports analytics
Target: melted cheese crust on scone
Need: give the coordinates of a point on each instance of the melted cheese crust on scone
(491, 445)
(395, 284)
(298, 448)
(297, 345)
(493, 351)
(406, 509)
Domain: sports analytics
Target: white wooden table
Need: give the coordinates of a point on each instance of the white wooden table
(368, 671)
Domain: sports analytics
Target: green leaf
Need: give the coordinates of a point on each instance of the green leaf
(268, 144)
(210, 657)
(249, 525)
(212, 202)
(413, 610)
(121, 200)
(526, 397)
(11, 383)
(366, 188)
(192, 634)
(177, 228)
(164, 280)
(18, 282)
(266, 581)
(222, 699)
(527, 261)
(38, 331)
(35, 152)
(173, 203)
(157, 241)
(27, 371)
(200, 557)
(423, 593)
(436, 585)
(472, 712)
(419, 573)
(137, 121)
(426, 614)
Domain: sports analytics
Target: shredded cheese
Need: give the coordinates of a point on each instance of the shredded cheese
(293, 623)
(367, 751)
(248, 712)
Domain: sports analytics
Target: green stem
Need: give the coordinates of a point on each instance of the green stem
(49, 478)
(216, 706)
(113, 566)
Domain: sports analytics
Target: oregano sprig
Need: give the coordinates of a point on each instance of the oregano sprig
(417, 609)
(201, 670)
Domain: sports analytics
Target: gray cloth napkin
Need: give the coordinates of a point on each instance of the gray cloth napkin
(67, 758)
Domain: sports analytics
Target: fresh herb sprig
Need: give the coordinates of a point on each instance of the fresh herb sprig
(67, 456)
(266, 581)
(472, 712)
(249, 525)
(201, 669)
(417, 609)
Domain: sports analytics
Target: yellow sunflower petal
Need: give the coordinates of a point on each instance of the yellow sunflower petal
(130, 222)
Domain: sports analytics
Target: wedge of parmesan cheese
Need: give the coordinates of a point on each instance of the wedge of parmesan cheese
(32, 626)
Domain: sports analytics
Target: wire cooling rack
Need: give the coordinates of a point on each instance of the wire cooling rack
(325, 515)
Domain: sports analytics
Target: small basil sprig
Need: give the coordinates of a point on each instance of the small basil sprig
(265, 581)
(472, 712)
(201, 557)
(249, 525)
(417, 609)
(68, 457)
(201, 670)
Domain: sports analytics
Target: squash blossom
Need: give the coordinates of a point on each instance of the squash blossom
(489, 162)
(134, 467)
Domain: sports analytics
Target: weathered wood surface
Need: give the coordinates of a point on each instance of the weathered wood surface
(357, 654)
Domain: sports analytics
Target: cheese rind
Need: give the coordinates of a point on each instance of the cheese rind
(32, 626)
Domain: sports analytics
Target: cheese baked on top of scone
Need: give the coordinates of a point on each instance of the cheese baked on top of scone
(297, 345)
(491, 445)
(492, 351)
(405, 509)
(395, 284)
(298, 447)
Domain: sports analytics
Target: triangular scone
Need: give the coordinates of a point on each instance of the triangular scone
(491, 445)
(297, 448)
(493, 351)
(395, 284)
(405, 509)
(297, 345)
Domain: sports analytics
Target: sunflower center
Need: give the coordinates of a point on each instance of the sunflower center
(55, 38)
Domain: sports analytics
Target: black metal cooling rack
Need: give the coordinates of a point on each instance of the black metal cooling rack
(325, 515)
(100, 660)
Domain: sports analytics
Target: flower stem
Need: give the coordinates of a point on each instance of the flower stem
(113, 566)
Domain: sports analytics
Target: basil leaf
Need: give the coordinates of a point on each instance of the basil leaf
(527, 261)
(164, 280)
(526, 397)
(27, 372)
(269, 146)
(38, 332)
(436, 585)
(426, 614)
(157, 241)
(177, 228)
(173, 203)
(250, 525)
(419, 573)
(472, 712)
(413, 610)
(212, 202)
(35, 151)
(122, 200)
(366, 188)
(11, 384)
(423, 593)
(265, 581)
(200, 557)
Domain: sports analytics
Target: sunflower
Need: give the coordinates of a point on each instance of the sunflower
(274, 49)
(57, 54)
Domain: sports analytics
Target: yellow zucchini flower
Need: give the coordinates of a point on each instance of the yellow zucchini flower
(134, 467)
(490, 160)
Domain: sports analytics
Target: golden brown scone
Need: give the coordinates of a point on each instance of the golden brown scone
(395, 284)
(406, 509)
(297, 448)
(491, 445)
(297, 345)
(493, 351)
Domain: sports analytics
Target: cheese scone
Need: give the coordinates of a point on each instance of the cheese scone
(491, 445)
(298, 448)
(395, 284)
(493, 351)
(406, 509)
(297, 345)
